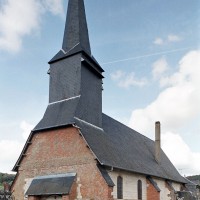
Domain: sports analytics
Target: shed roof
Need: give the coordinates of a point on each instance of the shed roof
(51, 185)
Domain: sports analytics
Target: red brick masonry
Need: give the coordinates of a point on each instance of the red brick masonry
(152, 193)
(62, 151)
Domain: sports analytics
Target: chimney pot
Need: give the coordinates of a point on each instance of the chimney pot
(157, 142)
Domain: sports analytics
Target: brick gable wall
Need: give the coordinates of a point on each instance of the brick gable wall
(62, 151)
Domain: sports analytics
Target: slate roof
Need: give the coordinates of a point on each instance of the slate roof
(120, 147)
(76, 37)
(115, 145)
(76, 30)
(51, 185)
(106, 176)
(58, 114)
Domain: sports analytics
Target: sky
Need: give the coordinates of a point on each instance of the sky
(150, 51)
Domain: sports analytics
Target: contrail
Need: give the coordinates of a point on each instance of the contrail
(147, 55)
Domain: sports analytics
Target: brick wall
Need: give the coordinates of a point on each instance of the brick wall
(73, 193)
(62, 151)
(152, 193)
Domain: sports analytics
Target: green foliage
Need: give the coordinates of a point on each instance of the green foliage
(194, 178)
(6, 178)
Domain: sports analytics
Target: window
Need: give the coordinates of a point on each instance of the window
(119, 187)
(139, 187)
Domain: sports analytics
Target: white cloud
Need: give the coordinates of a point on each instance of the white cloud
(54, 6)
(173, 38)
(158, 41)
(188, 73)
(170, 39)
(26, 128)
(159, 68)
(177, 105)
(181, 155)
(17, 18)
(127, 80)
(11, 149)
(22, 17)
(9, 153)
(117, 75)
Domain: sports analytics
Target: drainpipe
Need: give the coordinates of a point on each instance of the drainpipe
(157, 142)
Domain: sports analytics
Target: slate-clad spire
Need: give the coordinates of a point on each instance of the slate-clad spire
(75, 87)
(76, 38)
(76, 31)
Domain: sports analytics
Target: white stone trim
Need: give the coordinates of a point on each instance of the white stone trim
(65, 100)
(89, 123)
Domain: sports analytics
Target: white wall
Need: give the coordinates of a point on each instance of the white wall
(164, 191)
(129, 185)
(176, 186)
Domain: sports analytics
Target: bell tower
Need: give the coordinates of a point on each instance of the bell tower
(75, 86)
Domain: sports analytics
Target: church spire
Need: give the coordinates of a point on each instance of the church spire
(76, 31)
(75, 86)
(76, 37)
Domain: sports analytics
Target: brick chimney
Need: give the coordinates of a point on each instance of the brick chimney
(157, 142)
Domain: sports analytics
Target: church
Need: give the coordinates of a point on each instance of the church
(76, 152)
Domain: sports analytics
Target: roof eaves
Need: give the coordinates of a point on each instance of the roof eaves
(43, 185)
(190, 182)
(53, 127)
(106, 176)
(132, 171)
(93, 61)
(92, 67)
(55, 59)
(28, 142)
(88, 145)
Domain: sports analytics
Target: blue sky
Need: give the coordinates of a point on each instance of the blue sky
(151, 57)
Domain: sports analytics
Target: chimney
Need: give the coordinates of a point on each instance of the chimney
(157, 142)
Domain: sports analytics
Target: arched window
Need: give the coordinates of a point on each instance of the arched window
(119, 187)
(139, 187)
